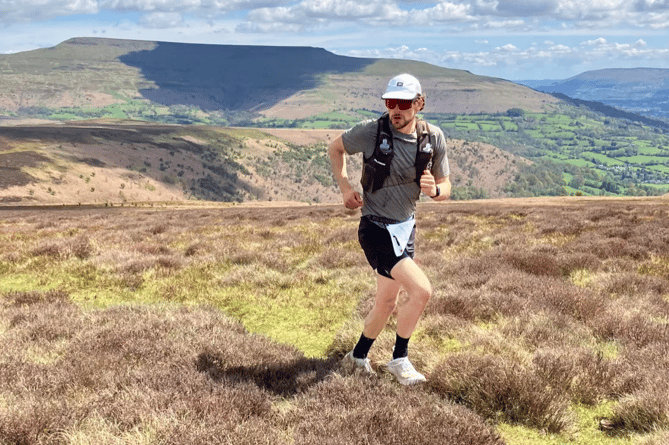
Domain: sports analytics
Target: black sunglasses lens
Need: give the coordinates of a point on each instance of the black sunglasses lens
(403, 104)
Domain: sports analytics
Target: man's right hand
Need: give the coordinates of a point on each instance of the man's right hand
(352, 199)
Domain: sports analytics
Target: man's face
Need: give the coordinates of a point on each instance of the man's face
(402, 113)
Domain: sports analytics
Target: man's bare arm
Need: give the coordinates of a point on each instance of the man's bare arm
(352, 199)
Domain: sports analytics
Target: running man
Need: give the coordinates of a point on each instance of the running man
(392, 182)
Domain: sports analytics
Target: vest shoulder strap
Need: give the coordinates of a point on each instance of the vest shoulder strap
(424, 150)
(377, 167)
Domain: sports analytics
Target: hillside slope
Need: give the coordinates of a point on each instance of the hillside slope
(119, 162)
(285, 82)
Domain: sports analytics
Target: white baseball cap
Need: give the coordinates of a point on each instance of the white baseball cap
(404, 86)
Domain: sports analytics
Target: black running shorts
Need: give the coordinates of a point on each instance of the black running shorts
(378, 247)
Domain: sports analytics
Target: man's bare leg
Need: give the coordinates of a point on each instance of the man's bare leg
(385, 302)
(419, 290)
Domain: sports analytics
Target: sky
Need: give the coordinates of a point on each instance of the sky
(511, 39)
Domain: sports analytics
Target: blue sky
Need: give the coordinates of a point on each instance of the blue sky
(512, 39)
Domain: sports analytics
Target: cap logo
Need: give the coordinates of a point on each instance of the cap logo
(400, 84)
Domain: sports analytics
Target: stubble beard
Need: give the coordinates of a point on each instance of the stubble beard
(403, 123)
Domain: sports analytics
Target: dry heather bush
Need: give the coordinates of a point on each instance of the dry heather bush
(51, 249)
(636, 369)
(570, 262)
(543, 329)
(152, 248)
(632, 329)
(603, 248)
(545, 293)
(656, 354)
(542, 263)
(79, 247)
(131, 366)
(498, 389)
(336, 257)
(442, 326)
(634, 285)
(586, 377)
(281, 377)
(606, 214)
(357, 410)
(33, 297)
(473, 305)
(475, 272)
(566, 226)
(642, 412)
(343, 235)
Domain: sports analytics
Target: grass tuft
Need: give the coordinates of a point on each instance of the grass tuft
(500, 390)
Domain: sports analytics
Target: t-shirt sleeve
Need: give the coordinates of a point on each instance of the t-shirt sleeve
(440, 167)
(361, 138)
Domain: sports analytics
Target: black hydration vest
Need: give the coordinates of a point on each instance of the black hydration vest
(377, 166)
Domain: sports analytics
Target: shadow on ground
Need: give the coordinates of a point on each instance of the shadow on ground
(284, 379)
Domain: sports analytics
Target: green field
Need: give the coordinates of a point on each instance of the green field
(630, 155)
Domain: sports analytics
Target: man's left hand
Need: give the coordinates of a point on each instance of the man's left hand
(427, 184)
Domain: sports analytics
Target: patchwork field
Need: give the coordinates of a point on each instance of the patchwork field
(632, 156)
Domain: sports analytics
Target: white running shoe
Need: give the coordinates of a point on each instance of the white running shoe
(362, 364)
(404, 371)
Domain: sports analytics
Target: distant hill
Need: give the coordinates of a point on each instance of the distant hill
(638, 90)
(142, 79)
(123, 162)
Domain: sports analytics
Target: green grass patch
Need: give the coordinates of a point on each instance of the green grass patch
(601, 159)
(588, 430)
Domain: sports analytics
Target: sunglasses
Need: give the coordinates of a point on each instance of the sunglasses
(404, 104)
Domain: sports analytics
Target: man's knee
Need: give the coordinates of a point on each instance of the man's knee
(414, 281)
(422, 293)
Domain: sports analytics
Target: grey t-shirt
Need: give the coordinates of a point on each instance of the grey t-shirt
(399, 194)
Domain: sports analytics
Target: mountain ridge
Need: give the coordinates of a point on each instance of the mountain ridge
(639, 90)
(274, 82)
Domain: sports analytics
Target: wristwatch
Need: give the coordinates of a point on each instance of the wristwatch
(438, 193)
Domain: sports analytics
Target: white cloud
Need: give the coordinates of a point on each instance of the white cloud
(527, 8)
(651, 5)
(25, 11)
(507, 48)
(162, 20)
(501, 24)
(511, 16)
(22, 11)
(311, 13)
(444, 12)
(513, 62)
(597, 42)
(602, 49)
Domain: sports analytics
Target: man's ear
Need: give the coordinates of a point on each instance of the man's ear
(421, 103)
